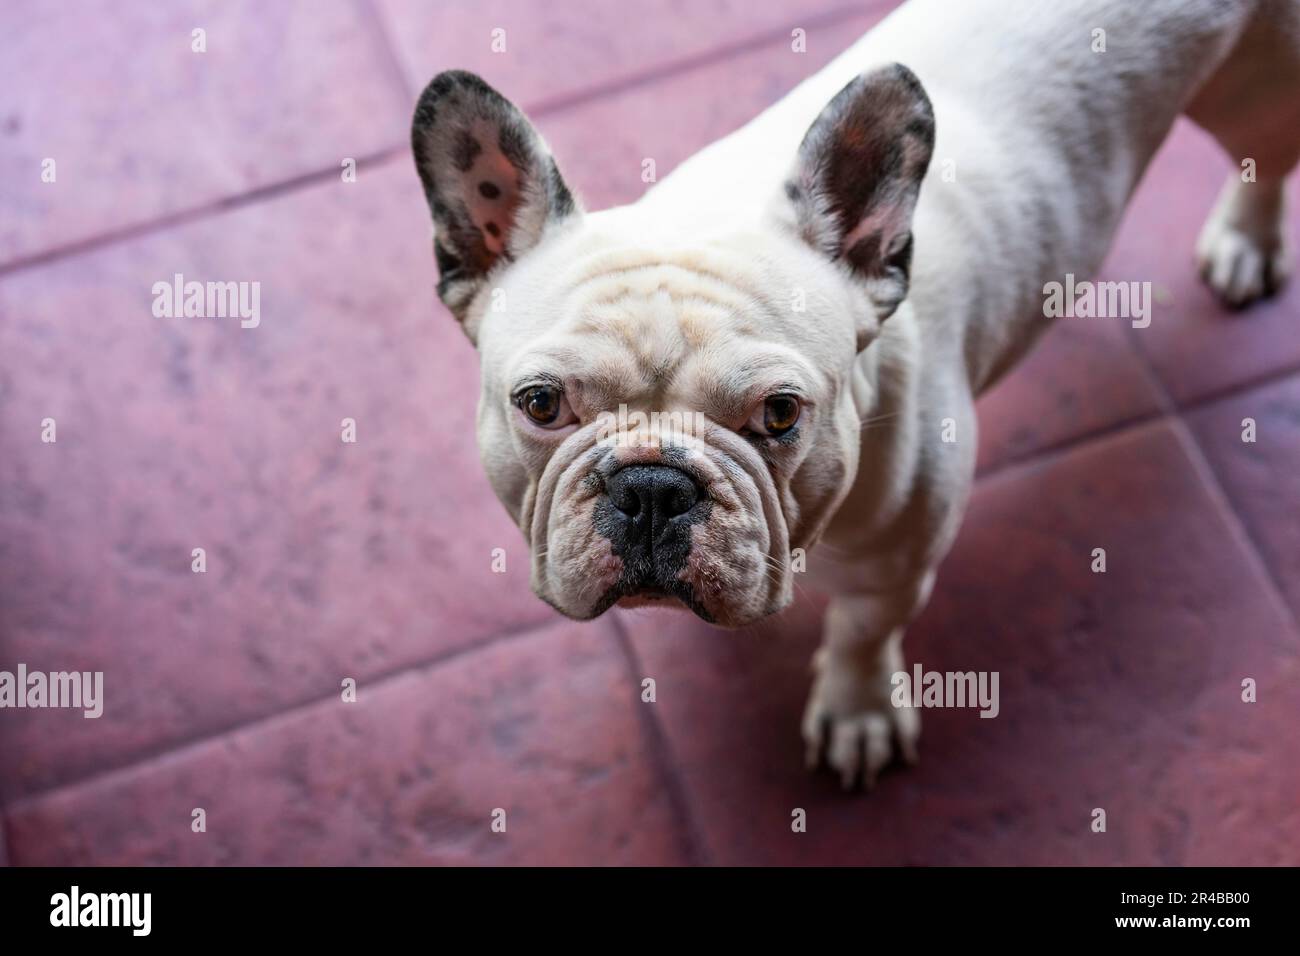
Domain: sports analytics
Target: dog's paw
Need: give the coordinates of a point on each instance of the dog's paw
(1238, 267)
(851, 724)
(1242, 251)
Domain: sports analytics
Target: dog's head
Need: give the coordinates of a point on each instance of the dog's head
(670, 416)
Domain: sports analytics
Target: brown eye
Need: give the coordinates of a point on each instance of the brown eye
(545, 406)
(780, 413)
(542, 404)
(775, 416)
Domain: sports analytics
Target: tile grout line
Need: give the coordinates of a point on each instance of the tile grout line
(669, 69)
(1171, 411)
(1058, 449)
(178, 747)
(193, 214)
(1237, 389)
(661, 750)
(1213, 485)
(557, 104)
(1237, 525)
(181, 217)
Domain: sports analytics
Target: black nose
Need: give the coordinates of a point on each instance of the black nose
(648, 497)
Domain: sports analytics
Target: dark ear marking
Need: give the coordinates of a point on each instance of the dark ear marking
(491, 183)
(466, 150)
(562, 202)
(858, 174)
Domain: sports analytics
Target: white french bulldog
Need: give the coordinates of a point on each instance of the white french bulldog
(807, 306)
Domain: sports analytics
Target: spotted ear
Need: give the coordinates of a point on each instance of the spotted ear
(492, 185)
(857, 176)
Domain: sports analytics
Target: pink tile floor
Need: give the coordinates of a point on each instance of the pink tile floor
(372, 560)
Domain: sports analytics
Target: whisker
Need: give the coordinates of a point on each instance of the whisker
(878, 420)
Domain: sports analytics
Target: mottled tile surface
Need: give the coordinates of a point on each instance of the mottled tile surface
(1081, 378)
(1252, 441)
(543, 728)
(546, 54)
(141, 126)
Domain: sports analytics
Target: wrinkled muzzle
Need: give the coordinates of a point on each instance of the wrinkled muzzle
(639, 516)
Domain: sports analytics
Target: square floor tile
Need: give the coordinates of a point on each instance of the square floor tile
(544, 727)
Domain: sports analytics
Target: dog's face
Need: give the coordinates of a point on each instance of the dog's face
(666, 417)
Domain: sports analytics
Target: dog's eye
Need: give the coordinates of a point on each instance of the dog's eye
(780, 413)
(776, 416)
(546, 406)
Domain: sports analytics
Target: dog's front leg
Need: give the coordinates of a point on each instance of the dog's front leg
(850, 717)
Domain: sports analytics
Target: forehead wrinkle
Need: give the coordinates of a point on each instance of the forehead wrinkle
(630, 330)
(639, 267)
(609, 380)
(646, 334)
(692, 278)
(648, 278)
(664, 340)
(731, 379)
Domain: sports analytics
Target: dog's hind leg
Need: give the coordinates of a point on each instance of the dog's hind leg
(1251, 105)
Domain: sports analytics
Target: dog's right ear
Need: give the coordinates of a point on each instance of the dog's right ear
(492, 185)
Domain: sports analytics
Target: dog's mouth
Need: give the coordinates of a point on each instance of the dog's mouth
(654, 595)
(648, 595)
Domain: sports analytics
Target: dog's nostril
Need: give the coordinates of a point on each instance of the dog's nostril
(658, 490)
(675, 496)
(625, 499)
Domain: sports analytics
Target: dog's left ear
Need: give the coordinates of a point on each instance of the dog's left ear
(492, 185)
(857, 176)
